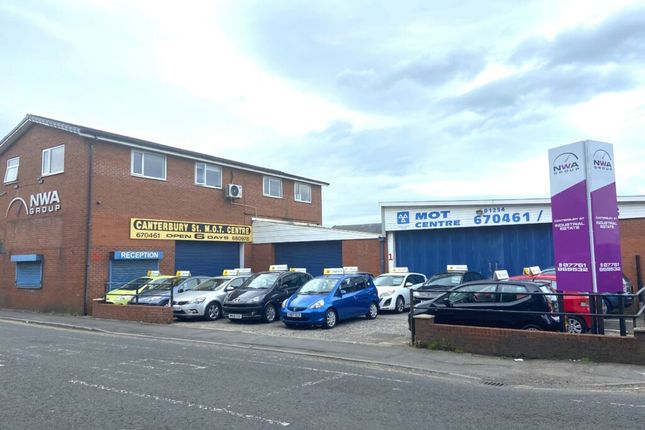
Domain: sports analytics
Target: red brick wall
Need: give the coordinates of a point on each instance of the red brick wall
(59, 236)
(149, 314)
(632, 242)
(263, 255)
(366, 254)
(529, 344)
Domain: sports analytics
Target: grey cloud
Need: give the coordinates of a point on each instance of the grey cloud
(618, 39)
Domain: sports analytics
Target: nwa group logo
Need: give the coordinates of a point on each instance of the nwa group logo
(602, 160)
(403, 217)
(566, 162)
(39, 203)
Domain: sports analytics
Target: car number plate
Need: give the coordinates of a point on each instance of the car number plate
(235, 316)
(294, 315)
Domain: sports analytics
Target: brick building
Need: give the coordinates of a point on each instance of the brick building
(87, 209)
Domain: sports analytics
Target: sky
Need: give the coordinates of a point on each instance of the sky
(406, 100)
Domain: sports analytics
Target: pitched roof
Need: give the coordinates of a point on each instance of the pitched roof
(119, 139)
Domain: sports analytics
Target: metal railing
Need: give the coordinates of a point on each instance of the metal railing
(595, 305)
(134, 295)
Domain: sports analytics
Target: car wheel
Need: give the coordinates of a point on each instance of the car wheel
(269, 314)
(372, 312)
(400, 305)
(575, 325)
(213, 312)
(330, 319)
(532, 327)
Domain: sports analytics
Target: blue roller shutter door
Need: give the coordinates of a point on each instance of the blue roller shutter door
(29, 274)
(314, 256)
(484, 249)
(122, 271)
(206, 258)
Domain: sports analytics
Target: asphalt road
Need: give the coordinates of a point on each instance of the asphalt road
(64, 379)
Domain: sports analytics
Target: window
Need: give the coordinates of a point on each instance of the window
(514, 292)
(148, 165)
(302, 192)
(53, 160)
(29, 270)
(272, 187)
(11, 174)
(208, 175)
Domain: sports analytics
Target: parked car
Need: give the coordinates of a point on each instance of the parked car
(325, 300)
(260, 297)
(205, 301)
(125, 293)
(158, 293)
(481, 303)
(610, 301)
(393, 291)
(573, 304)
(440, 282)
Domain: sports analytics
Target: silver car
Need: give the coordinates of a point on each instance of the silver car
(205, 301)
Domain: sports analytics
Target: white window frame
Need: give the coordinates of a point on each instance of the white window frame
(266, 180)
(143, 164)
(47, 157)
(208, 166)
(11, 169)
(296, 196)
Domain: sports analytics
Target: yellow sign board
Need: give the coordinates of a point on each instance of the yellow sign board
(156, 229)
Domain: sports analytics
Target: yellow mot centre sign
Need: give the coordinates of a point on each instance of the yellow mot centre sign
(157, 229)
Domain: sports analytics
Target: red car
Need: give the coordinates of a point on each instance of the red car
(572, 304)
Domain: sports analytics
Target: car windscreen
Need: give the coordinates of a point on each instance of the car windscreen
(388, 280)
(135, 284)
(212, 284)
(261, 281)
(444, 280)
(318, 286)
(164, 284)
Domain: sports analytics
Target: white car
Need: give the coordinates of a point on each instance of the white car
(393, 289)
(205, 301)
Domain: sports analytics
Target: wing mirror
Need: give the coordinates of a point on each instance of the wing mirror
(229, 288)
(408, 284)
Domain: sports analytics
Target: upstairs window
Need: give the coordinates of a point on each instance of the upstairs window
(53, 160)
(302, 192)
(11, 174)
(148, 165)
(272, 187)
(208, 175)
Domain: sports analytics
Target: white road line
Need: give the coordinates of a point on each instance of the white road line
(180, 403)
(619, 405)
(170, 363)
(303, 385)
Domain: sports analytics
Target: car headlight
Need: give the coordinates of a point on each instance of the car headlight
(387, 293)
(197, 300)
(319, 304)
(284, 303)
(256, 299)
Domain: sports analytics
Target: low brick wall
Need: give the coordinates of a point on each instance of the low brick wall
(150, 314)
(529, 344)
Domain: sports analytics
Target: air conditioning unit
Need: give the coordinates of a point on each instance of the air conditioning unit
(233, 191)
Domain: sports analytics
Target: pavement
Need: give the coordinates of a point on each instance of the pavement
(383, 342)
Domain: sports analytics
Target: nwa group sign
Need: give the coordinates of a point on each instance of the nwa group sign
(39, 203)
(584, 209)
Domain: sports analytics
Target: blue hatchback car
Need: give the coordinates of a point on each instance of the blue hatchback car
(325, 300)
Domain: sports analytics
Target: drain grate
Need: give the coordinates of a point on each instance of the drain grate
(493, 383)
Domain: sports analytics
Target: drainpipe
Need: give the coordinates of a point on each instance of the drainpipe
(88, 223)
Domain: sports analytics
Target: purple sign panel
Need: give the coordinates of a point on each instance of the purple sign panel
(571, 235)
(604, 214)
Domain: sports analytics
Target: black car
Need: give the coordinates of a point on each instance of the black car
(482, 303)
(441, 282)
(261, 296)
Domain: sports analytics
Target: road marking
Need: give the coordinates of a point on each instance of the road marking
(184, 403)
(619, 405)
(303, 385)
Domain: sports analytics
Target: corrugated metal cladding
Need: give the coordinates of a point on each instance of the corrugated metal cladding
(206, 258)
(122, 271)
(484, 249)
(314, 256)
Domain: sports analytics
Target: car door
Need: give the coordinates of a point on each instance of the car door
(363, 298)
(344, 299)
(470, 305)
(514, 297)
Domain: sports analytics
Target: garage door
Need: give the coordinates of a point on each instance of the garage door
(122, 271)
(206, 258)
(484, 249)
(314, 256)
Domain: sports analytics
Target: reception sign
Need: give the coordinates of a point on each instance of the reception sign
(585, 218)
